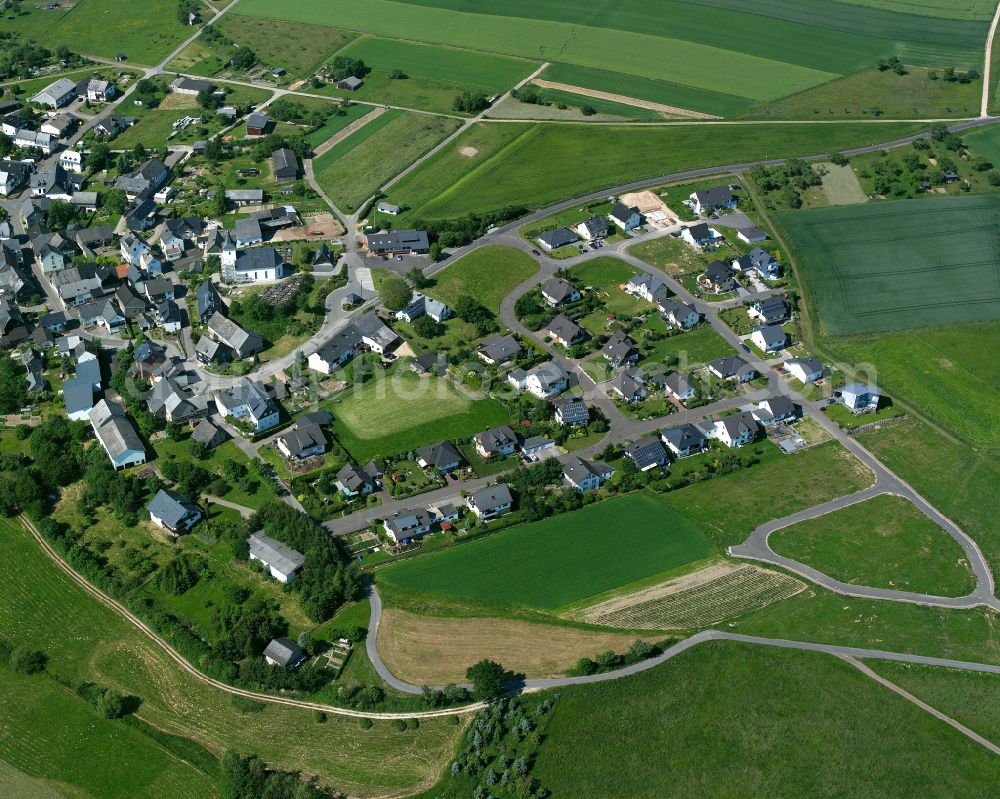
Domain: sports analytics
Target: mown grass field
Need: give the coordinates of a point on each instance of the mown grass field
(548, 564)
(54, 737)
(337, 123)
(144, 32)
(489, 274)
(404, 411)
(896, 265)
(291, 45)
(85, 641)
(701, 45)
(727, 719)
(884, 542)
(352, 177)
(520, 171)
(728, 508)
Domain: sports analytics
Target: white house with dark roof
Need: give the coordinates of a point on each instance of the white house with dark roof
(565, 331)
(647, 454)
(712, 199)
(859, 397)
(354, 482)
(586, 475)
(805, 370)
(596, 227)
(544, 381)
(248, 400)
(769, 338)
(630, 385)
(572, 412)
(684, 440)
(303, 441)
(496, 442)
(732, 367)
(499, 349)
(491, 502)
(770, 310)
(625, 217)
(283, 652)
(679, 387)
(736, 430)
(407, 524)
(774, 410)
(556, 291)
(442, 457)
(700, 235)
(647, 287)
(619, 349)
(173, 512)
(761, 262)
(558, 237)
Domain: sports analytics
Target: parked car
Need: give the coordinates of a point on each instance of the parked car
(535, 252)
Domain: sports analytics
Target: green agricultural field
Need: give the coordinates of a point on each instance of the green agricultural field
(884, 542)
(894, 265)
(957, 479)
(520, 172)
(489, 274)
(872, 94)
(728, 719)
(655, 91)
(940, 371)
(352, 178)
(712, 45)
(488, 72)
(337, 123)
(404, 411)
(54, 742)
(946, 9)
(985, 142)
(356, 138)
(728, 508)
(144, 32)
(552, 563)
(41, 604)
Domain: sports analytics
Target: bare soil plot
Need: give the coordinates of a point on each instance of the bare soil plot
(707, 596)
(317, 227)
(428, 650)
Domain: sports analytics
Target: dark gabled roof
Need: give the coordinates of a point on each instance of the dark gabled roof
(622, 212)
(557, 289)
(284, 652)
(772, 334)
(565, 329)
(573, 411)
(172, 508)
(284, 160)
(303, 437)
(491, 497)
(684, 437)
(559, 237)
(496, 438)
(439, 455)
(729, 365)
(500, 348)
(646, 452)
(716, 195)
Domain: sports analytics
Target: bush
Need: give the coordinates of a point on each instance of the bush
(25, 660)
(366, 723)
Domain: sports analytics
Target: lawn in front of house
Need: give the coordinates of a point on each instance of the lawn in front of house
(487, 274)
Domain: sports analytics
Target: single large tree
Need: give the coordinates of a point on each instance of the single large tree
(488, 678)
(395, 293)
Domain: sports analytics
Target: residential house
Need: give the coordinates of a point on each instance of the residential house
(559, 237)
(498, 349)
(496, 442)
(491, 502)
(103, 311)
(859, 398)
(442, 457)
(625, 217)
(247, 232)
(281, 560)
(769, 338)
(241, 197)
(556, 291)
(544, 381)
(208, 435)
(770, 310)
(751, 234)
(619, 350)
(303, 441)
(592, 229)
(285, 164)
(421, 305)
(700, 235)
(679, 387)
(647, 454)
(207, 301)
(718, 278)
(737, 429)
(168, 316)
(761, 262)
(684, 440)
(59, 126)
(398, 242)
(732, 367)
(805, 370)
(647, 287)
(708, 200)
(335, 352)
(376, 335)
(13, 176)
(630, 385)
(28, 139)
(142, 217)
(100, 91)
(116, 434)
(586, 475)
(775, 410)
(248, 401)
(144, 181)
(354, 482)
(173, 512)
(257, 265)
(109, 127)
(78, 397)
(388, 208)
(158, 289)
(572, 412)
(132, 248)
(71, 161)
(565, 331)
(282, 652)
(679, 314)
(408, 524)
(244, 343)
